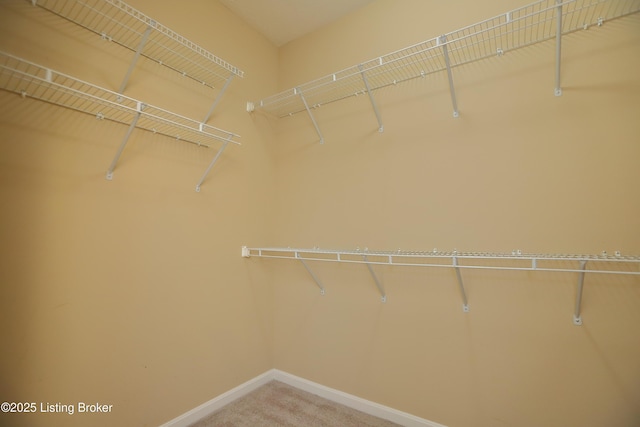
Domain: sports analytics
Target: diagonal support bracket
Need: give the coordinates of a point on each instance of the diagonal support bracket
(375, 279)
(445, 52)
(465, 304)
(217, 100)
(213, 162)
(315, 278)
(143, 42)
(577, 318)
(306, 105)
(132, 126)
(558, 89)
(371, 98)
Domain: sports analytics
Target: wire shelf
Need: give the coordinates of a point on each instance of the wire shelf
(515, 260)
(116, 21)
(518, 28)
(35, 81)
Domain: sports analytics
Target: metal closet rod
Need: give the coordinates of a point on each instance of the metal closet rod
(370, 258)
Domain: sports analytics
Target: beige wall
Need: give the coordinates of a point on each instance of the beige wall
(131, 292)
(520, 169)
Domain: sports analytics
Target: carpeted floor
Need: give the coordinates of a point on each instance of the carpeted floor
(276, 404)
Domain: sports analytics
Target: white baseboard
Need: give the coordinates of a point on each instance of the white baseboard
(355, 402)
(216, 403)
(349, 400)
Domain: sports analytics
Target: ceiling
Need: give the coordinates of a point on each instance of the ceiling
(281, 21)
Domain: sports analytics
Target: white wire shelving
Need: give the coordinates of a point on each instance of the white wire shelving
(514, 261)
(534, 23)
(36, 81)
(115, 21)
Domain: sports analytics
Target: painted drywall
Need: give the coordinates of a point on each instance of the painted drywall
(519, 169)
(131, 292)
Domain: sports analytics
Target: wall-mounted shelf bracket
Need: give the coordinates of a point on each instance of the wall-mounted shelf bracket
(143, 41)
(306, 106)
(213, 162)
(315, 278)
(383, 294)
(465, 304)
(577, 318)
(558, 89)
(132, 126)
(371, 98)
(445, 52)
(217, 100)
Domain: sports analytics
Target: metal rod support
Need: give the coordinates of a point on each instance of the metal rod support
(558, 89)
(577, 319)
(213, 162)
(315, 278)
(373, 101)
(143, 41)
(304, 101)
(465, 304)
(217, 100)
(452, 89)
(123, 144)
(375, 279)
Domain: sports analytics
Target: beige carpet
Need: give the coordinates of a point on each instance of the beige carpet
(278, 404)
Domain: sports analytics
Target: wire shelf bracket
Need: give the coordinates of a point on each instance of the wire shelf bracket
(558, 89)
(306, 106)
(311, 273)
(35, 81)
(514, 261)
(447, 61)
(116, 21)
(373, 101)
(383, 294)
(537, 22)
(577, 318)
(465, 304)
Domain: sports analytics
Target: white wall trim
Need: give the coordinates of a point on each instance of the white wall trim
(216, 403)
(334, 395)
(354, 402)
